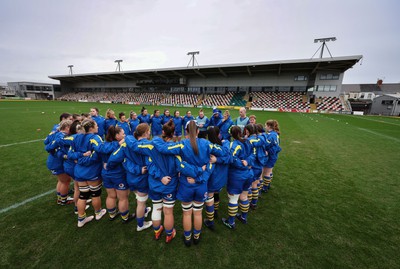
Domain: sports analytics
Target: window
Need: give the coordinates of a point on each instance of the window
(329, 76)
(300, 78)
(387, 102)
(326, 88)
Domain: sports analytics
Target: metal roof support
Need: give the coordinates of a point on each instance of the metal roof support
(248, 71)
(222, 72)
(279, 69)
(198, 73)
(160, 75)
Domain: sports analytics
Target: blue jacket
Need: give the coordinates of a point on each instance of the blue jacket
(126, 126)
(101, 124)
(87, 168)
(134, 124)
(108, 123)
(56, 153)
(260, 157)
(178, 124)
(273, 147)
(240, 151)
(65, 143)
(184, 149)
(156, 125)
(133, 162)
(105, 150)
(144, 119)
(219, 176)
(224, 128)
(214, 121)
(165, 119)
(161, 165)
(186, 119)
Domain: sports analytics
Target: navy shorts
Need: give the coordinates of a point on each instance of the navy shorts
(271, 162)
(236, 186)
(119, 184)
(257, 174)
(195, 192)
(57, 171)
(178, 133)
(140, 184)
(162, 196)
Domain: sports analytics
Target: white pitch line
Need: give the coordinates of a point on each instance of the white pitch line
(19, 143)
(4, 210)
(379, 134)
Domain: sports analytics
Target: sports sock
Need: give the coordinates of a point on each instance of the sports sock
(196, 234)
(244, 208)
(249, 194)
(169, 232)
(157, 228)
(140, 221)
(125, 215)
(81, 217)
(216, 201)
(188, 235)
(254, 199)
(210, 213)
(232, 210)
(112, 212)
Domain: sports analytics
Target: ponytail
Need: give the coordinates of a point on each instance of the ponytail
(213, 135)
(276, 127)
(168, 129)
(192, 130)
(236, 133)
(112, 132)
(141, 129)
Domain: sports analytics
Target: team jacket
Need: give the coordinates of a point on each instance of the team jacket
(178, 124)
(165, 119)
(258, 151)
(87, 168)
(186, 119)
(156, 125)
(219, 176)
(273, 147)
(225, 127)
(133, 162)
(105, 150)
(241, 151)
(214, 121)
(144, 119)
(101, 124)
(56, 153)
(134, 124)
(108, 123)
(161, 165)
(185, 150)
(125, 125)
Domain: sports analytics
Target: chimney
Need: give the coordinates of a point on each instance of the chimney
(379, 82)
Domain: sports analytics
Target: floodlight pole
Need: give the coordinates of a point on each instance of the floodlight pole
(118, 65)
(193, 58)
(323, 40)
(70, 69)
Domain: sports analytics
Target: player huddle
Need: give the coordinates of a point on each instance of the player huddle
(145, 155)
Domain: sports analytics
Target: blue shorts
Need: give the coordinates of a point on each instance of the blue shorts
(69, 171)
(162, 196)
(257, 174)
(138, 183)
(235, 186)
(57, 171)
(271, 162)
(156, 133)
(196, 192)
(115, 183)
(178, 133)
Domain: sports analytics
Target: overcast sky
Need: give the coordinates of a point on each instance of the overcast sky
(42, 37)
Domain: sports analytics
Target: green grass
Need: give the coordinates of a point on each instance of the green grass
(334, 202)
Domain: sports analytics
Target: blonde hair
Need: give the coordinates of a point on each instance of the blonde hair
(109, 113)
(64, 124)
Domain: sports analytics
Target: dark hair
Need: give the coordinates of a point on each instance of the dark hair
(274, 125)
(175, 112)
(95, 108)
(251, 128)
(192, 131)
(236, 133)
(141, 129)
(73, 129)
(168, 129)
(121, 114)
(213, 135)
(143, 109)
(260, 128)
(112, 132)
(75, 116)
(65, 116)
(87, 124)
(155, 111)
(165, 110)
(86, 115)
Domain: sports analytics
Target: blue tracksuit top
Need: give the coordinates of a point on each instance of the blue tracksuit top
(186, 119)
(125, 125)
(178, 124)
(274, 147)
(214, 121)
(129, 159)
(219, 176)
(224, 128)
(204, 120)
(108, 123)
(161, 165)
(144, 119)
(240, 151)
(56, 153)
(66, 143)
(184, 149)
(101, 124)
(165, 119)
(156, 125)
(260, 158)
(105, 150)
(88, 168)
(134, 124)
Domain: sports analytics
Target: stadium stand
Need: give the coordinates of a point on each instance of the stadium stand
(281, 100)
(237, 100)
(182, 99)
(329, 103)
(217, 99)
